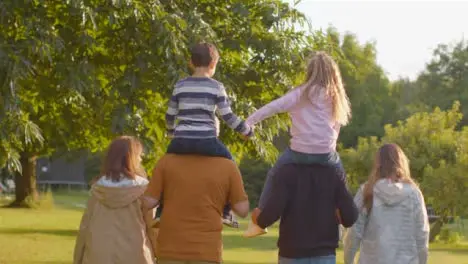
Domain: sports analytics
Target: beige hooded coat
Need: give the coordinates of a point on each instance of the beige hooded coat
(114, 229)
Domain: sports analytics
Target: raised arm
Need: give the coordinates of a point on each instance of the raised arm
(171, 114)
(353, 237)
(421, 231)
(280, 105)
(225, 111)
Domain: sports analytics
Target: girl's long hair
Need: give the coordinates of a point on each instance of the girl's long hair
(323, 75)
(123, 159)
(390, 163)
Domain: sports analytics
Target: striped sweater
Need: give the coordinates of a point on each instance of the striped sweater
(192, 108)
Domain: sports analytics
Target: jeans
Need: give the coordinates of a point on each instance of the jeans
(212, 147)
(291, 156)
(313, 260)
(203, 146)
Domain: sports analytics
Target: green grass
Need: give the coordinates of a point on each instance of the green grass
(48, 236)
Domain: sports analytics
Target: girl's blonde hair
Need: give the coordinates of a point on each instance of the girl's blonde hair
(123, 159)
(390, 163)
(323, 74)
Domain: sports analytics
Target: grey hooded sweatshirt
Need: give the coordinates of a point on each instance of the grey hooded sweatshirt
(395, 232)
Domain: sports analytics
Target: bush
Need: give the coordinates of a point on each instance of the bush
(45, 202)
(449, 236)
(254, 173)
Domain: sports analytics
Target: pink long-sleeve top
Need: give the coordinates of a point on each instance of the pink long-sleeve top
(313, 131)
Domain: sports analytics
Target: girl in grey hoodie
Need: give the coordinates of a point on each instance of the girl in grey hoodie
(392, 227)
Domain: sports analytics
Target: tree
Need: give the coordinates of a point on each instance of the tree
(367, 86)
(77, 73)
(437, 154)
(445, 78)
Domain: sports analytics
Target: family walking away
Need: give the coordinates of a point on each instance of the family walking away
(177, 216)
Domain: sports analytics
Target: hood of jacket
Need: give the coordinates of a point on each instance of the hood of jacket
(391, 192)
(117, 197)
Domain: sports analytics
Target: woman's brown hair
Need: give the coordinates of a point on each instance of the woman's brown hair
(123, 159)
(390, 163)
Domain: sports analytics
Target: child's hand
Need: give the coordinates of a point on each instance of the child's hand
(250, 135)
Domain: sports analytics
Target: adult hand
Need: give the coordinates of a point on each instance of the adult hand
(252, 128)
(255, 213)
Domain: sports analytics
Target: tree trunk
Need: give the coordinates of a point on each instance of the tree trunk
(435, 229)
(25, 189)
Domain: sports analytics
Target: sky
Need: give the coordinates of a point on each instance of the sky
(405, 32)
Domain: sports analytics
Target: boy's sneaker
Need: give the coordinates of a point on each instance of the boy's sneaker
(253, 229)
(230, 220)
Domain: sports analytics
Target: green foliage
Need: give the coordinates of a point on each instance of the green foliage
(358, 161)
(18, 132)
(445, 78)
(367, 86)
(449, 236)
(75, 74)
(437, 154)
(254, 173)
(83, 71)
(427, 138)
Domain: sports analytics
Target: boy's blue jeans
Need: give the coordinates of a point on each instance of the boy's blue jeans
(291, 156)
(202, 146)
(313, 260)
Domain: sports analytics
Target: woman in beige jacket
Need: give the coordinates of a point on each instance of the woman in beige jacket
(114, 229)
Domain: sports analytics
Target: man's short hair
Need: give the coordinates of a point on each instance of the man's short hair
(202, 54)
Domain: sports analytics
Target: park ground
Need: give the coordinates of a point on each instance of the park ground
(47, 236)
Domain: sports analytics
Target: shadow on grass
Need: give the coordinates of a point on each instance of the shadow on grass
(29, 231)
(452, 250)
(235, 241)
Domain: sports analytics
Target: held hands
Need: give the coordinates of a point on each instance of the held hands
(254, 230)
(255, 213)
(252, 128)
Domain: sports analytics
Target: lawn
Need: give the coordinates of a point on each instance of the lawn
(48, 236)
